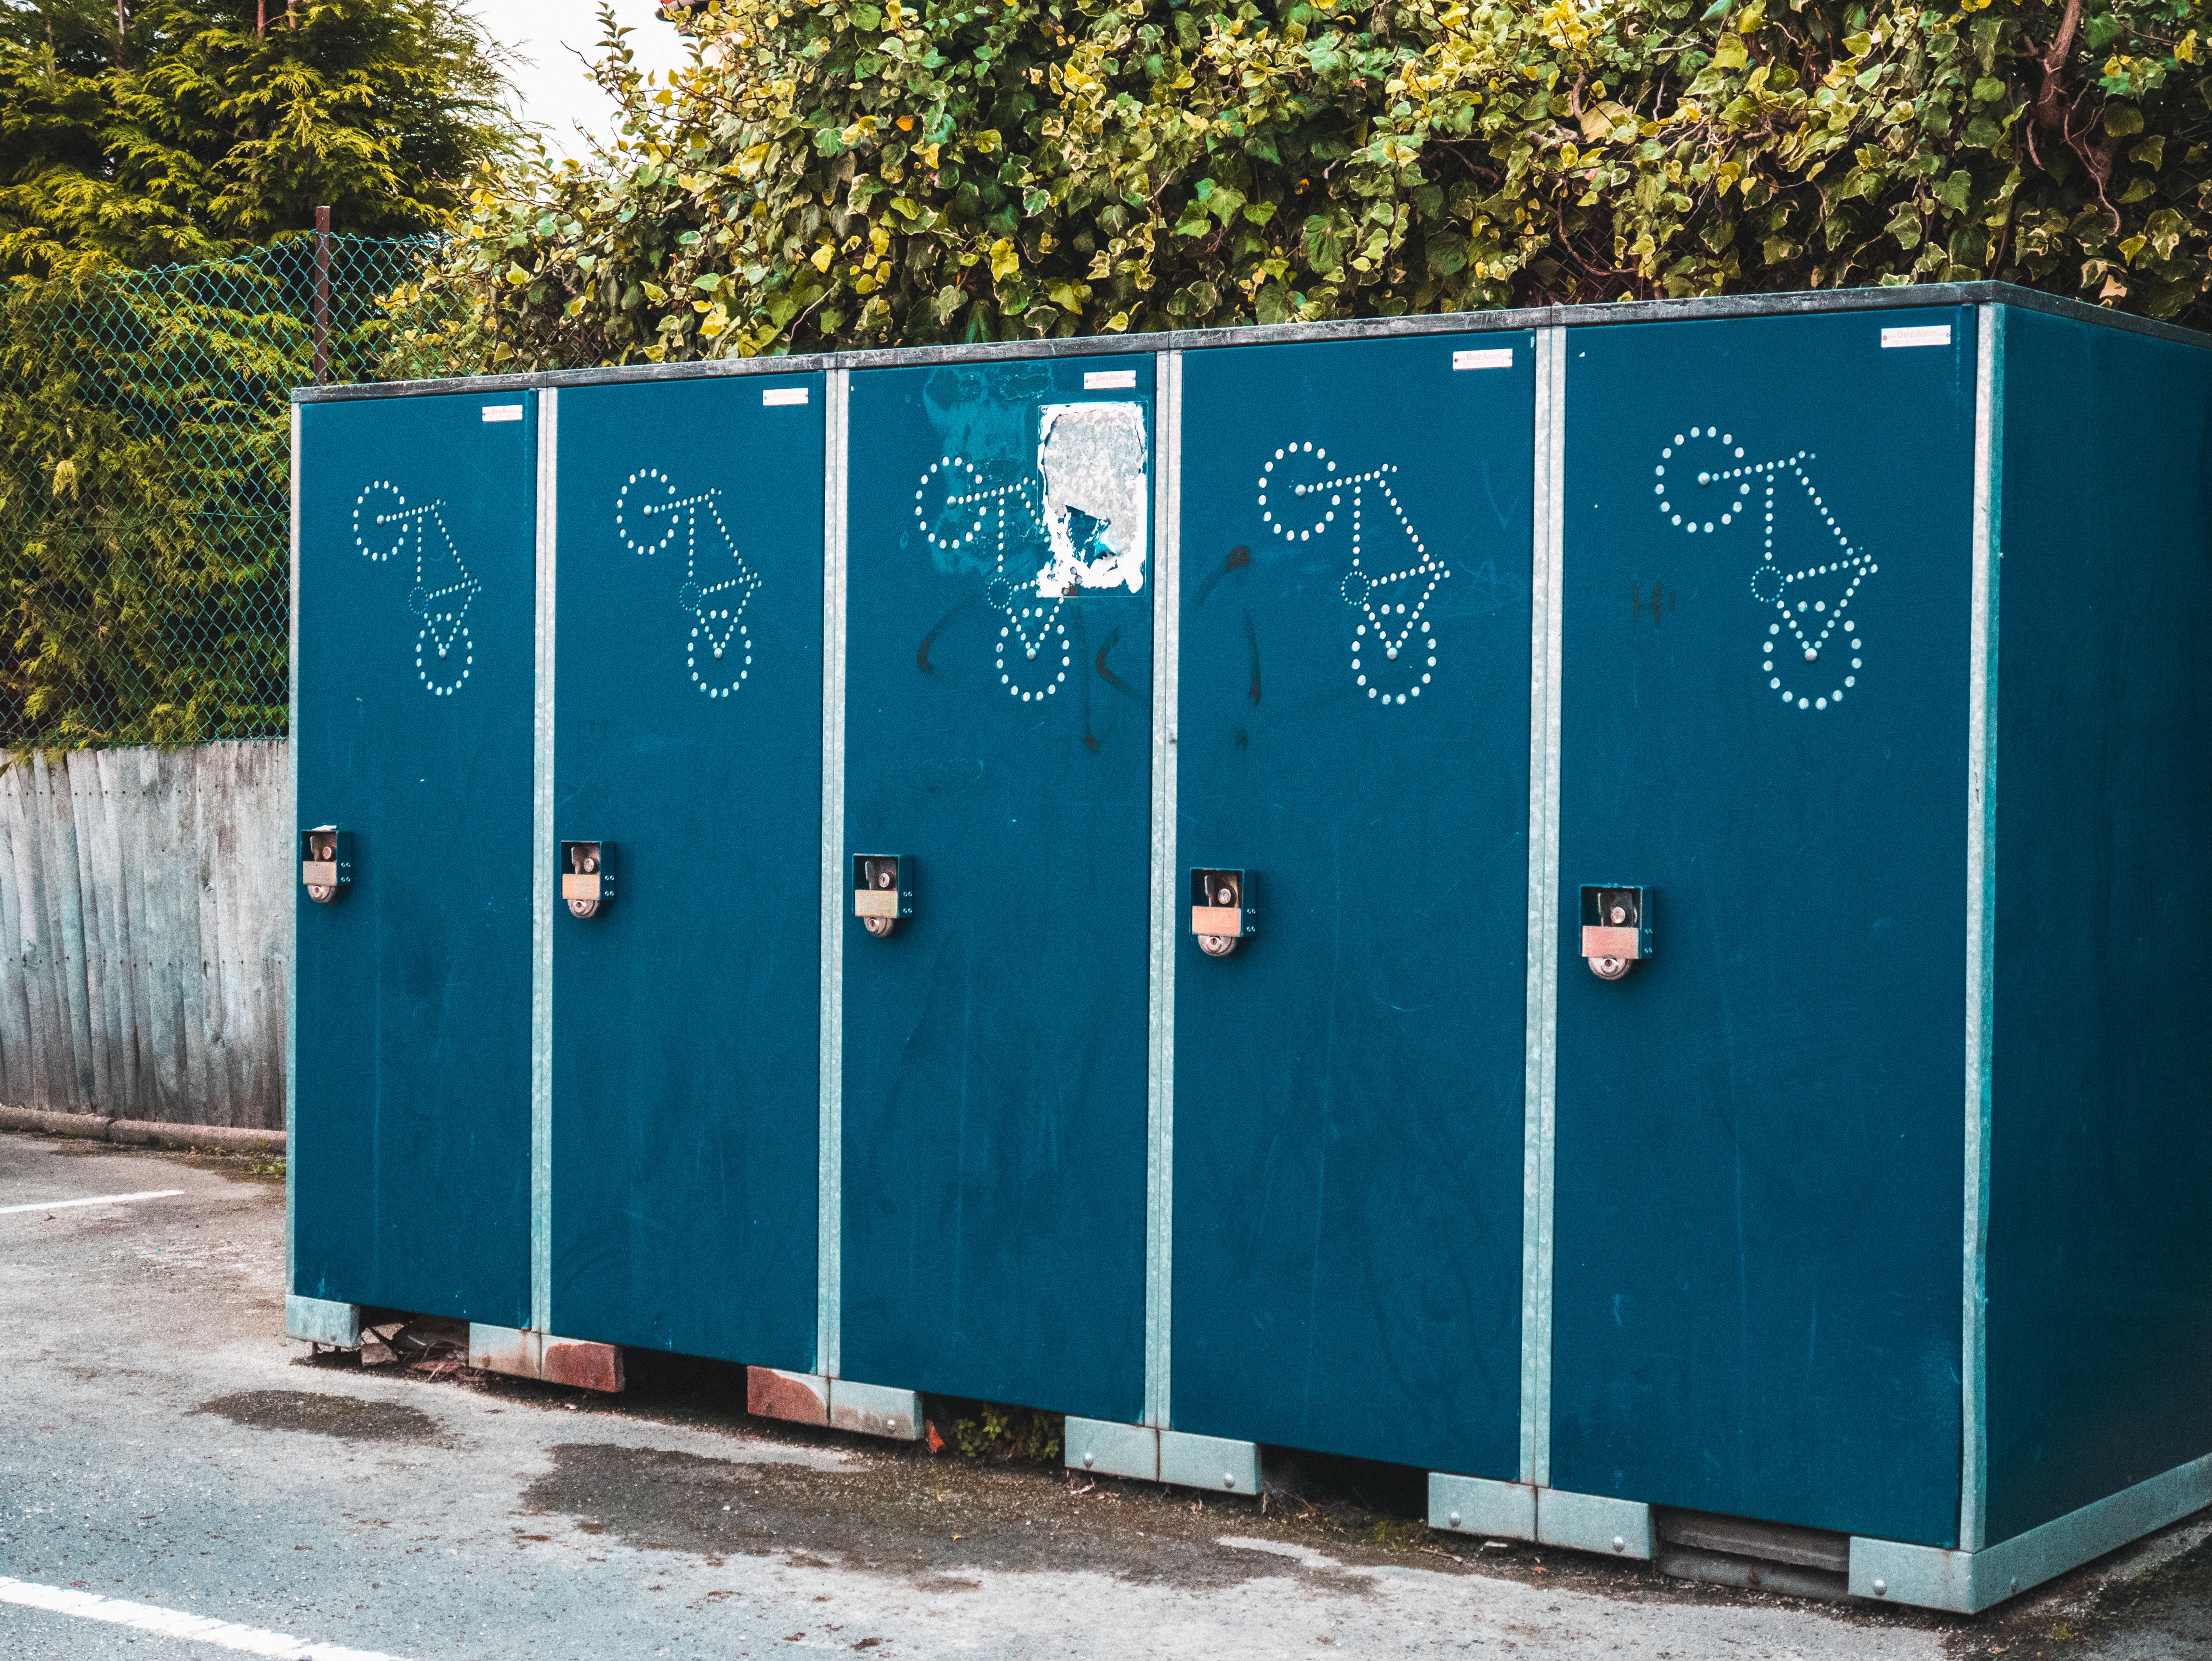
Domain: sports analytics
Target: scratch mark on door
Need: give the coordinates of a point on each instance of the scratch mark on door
(922, 658)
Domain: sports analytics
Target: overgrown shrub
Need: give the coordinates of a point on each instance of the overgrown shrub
(856, 172)
(165, 131)
(144, 502)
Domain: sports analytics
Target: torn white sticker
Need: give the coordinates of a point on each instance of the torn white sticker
(1924, 334)
(1092, 458)
(777, 397)
(503, 412)
(1110, 381)
(1485, 357)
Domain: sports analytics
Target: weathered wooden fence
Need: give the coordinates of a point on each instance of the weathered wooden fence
(146, 932)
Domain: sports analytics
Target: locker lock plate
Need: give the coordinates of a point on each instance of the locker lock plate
(1616, 928)
(587, 878)
(883, 890)
(325, 862)
(1221, 913)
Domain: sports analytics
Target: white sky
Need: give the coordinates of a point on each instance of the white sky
(551, 88)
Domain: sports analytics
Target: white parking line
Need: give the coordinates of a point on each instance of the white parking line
(175, 1623)
(97, 1199)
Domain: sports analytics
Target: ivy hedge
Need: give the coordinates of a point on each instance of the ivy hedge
(836, 173)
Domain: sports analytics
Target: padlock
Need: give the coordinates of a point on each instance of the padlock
(325, 862)
(1616, 928)
(587, 878)
(1221, 912)
(883, 890)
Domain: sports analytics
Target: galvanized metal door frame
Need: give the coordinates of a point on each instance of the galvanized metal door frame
(1545, 626)
(1981, 917)
(1160, 1130)
(292, 954)
(830, 1199)
(542, 861)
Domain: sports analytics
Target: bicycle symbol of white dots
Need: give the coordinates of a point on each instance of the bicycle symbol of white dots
(989, 501)
(1810, 622)
(452, 641)
(1359, 586)
(734, 639)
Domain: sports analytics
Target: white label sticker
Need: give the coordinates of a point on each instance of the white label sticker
(1488, 357)
(1926, 334)
(1110, 381)
(503, 412)
(773, 395)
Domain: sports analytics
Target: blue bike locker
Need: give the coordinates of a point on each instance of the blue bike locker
(1597, 903)
(2099, 1319)
(1764, 725)
(1353, 737)
(997, 722)
(414, 670)
(685, 1030)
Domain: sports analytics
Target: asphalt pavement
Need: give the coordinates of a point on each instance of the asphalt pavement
(179, 1479)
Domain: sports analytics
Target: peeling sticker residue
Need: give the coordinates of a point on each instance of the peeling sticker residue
(1092, 458)
(1075, 519)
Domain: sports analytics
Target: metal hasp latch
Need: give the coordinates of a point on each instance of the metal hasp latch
(883, 890)
(1616, 928)
(325, 862)
(587, 878)
(1220, 915)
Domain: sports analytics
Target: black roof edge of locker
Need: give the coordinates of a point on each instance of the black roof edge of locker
(1799, 304)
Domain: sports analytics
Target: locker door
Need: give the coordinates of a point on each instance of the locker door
(415, 671)
(998, 731)
(687, 1009)
(1354, 691)
(1768, 571)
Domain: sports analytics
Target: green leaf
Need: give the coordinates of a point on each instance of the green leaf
(2121, 119)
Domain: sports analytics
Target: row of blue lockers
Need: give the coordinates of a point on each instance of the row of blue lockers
(1228, 755)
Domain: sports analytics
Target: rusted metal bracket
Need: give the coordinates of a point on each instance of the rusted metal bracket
(808, 1398)
(540, 1355)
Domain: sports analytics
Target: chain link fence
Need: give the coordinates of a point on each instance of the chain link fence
(144, 484)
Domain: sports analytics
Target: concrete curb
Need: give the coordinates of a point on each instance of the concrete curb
(141, 1133)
